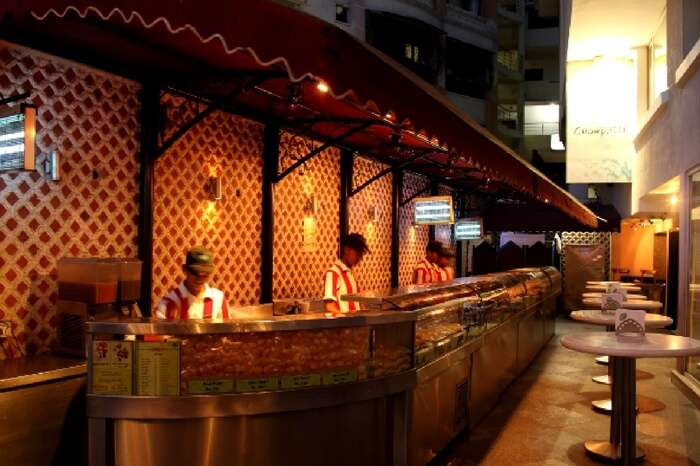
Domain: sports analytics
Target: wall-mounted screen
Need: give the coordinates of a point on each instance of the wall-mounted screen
(17, 139)
(436, 210)
(469, 228)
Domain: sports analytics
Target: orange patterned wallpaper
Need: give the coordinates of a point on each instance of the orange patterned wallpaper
(374, 271)
(296, 273)
(413, 239)
(91, 119)
(230, 147)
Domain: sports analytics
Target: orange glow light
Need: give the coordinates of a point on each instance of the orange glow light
(322, 87)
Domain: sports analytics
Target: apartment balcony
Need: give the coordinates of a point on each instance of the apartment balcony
(541, 129)
(542, 91)
(509, 65)
(547, 38)
(511, 11)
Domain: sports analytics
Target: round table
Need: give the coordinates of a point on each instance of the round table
(598, 294)
(597, 317)
(642, 304)
(624, 351)
(604, 288)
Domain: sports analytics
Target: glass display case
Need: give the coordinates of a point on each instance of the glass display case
(537, 282)
(554, 278)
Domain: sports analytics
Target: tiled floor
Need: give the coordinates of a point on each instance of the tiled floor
(544, 417)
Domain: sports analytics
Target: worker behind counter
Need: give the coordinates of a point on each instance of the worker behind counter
(428, 270)
(446, 270)
(339, 279)
(194, 298)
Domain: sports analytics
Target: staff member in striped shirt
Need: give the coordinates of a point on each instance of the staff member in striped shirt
(427, 270)
(447, 272)
(339, 279)
(194, 298)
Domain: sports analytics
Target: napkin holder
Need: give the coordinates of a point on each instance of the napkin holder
(630, 325)
(610, 302)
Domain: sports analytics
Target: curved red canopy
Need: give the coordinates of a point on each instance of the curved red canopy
(185, 37)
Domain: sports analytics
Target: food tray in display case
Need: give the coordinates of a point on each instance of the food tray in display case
(415, 296)
(440, 329)
(537, 282)
(555, 279)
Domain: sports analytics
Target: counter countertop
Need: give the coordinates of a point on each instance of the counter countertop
(28, 370)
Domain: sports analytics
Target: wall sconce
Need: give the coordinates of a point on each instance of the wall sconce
(372, 214)
(310, 206)
(213, 188)
(52, 166)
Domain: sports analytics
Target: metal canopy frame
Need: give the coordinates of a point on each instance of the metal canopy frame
(394, 168)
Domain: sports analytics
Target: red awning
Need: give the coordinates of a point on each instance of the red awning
(198, 46)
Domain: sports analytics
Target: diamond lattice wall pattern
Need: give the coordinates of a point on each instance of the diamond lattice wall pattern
(413, 238)
(184, 216)
(374, 272)
(91, 119)
(298, 273)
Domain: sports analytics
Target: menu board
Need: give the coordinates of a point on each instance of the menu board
(157, 368)
(111, 369)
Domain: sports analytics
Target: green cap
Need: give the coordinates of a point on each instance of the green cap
(200, 260)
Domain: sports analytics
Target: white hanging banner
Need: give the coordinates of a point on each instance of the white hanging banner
(601, 120)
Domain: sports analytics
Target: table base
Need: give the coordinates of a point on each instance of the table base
(604, 360)
(603, 450)
(644, 405)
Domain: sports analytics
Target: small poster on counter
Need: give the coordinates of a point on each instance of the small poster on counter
(158, 368)
(111, 368)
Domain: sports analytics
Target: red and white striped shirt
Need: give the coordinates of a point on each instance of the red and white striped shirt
(180, 304)
(426, 272)
(340, 281)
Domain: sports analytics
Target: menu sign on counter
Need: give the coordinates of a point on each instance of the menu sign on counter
(199, 387)
(257, 385)
(112, 362)
(301, 381)
(157, 368)
(334, 378)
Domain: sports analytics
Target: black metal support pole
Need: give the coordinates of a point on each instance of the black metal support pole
(271, 143)
(629, 420)
(459, 262)
(150, 113)
(346, 172)
(396, 193)
(434, 190)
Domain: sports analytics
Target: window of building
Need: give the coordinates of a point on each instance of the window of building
(412, 43)
(412, 52)
(534, 74)
(471, 6)
(342, 13)
(658, 68)
(469, 69)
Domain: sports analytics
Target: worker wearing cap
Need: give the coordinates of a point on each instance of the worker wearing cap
(339, 279)
(194, 298)
(427, 270)
(445, 270)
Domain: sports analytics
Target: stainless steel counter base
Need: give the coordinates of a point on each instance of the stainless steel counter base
(404, 419)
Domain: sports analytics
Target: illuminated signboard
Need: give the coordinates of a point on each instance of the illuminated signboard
(17, 134)
(601, 120)
(468, 228)
(435, 210)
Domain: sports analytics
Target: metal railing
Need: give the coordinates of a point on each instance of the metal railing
(509, 59)
(541, 129)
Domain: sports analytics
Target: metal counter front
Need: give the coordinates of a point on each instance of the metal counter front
(390, 386)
